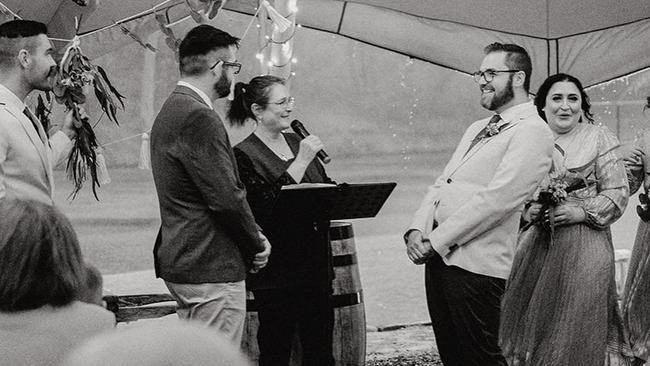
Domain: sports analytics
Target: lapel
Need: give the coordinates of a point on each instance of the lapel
(502, 125)
(36, 140)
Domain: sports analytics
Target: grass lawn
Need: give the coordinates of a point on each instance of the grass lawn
(117, 233)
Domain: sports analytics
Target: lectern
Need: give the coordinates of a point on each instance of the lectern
(318, 202)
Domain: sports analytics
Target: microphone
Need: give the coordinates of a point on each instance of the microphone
(301, 131)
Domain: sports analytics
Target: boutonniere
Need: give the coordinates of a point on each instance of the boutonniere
(493, 130)
(490, 131)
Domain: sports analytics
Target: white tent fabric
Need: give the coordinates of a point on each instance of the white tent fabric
(596, 40)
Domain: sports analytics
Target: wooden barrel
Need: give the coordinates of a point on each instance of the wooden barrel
(349, 335)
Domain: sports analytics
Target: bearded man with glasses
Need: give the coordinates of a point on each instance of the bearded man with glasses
(208, 238)
(466, 228)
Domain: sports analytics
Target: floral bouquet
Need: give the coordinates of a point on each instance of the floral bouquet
(553, 191)
(75, 74)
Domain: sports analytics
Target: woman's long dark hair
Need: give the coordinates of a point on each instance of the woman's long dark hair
(255, 92)
(542, 93)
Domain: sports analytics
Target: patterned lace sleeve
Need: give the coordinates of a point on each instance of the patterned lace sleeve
(635, 172)
(613, 191)
(260, 193)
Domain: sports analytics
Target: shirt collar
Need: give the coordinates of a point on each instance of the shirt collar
(198, 91)
(9, 98)
(520, 110)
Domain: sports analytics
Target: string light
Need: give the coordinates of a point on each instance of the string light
(285, 44)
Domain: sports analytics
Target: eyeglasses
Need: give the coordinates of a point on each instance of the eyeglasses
(286, 102)
(235, 65)
(489, 74)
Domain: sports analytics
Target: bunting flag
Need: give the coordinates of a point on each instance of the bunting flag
(170, 39)
(136, 38)
(215, 7)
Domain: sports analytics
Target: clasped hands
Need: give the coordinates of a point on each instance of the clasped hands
(564, 214)
(261, 259)
(418, 249)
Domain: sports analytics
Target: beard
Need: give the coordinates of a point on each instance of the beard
(222, 86)
(500, 98)
(44, 83)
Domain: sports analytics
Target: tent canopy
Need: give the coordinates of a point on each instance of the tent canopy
(595, 40)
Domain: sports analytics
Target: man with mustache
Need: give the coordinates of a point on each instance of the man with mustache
(208, 238)
(465, 230)
(27, 155)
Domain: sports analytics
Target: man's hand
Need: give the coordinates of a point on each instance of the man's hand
(261, 258)
(417, 248)
(631, 154)
(68, 124)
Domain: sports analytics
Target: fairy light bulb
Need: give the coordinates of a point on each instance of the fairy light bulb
(294, 60)
(259, 56)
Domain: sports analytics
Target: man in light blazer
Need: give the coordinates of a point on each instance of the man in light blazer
(466, 227)
(208, 237)
(27, 154)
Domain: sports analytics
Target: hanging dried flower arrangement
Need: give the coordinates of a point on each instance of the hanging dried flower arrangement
(76, 72)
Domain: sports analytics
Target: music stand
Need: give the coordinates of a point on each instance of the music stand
(360, 200)
(331, 202)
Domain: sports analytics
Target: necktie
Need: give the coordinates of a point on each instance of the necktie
(484, 132)
(32, 118)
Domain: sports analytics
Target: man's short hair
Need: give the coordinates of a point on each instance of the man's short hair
(15, 35)
(22, 28)
(517, 58)
(198, 42)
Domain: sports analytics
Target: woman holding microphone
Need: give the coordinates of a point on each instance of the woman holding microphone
(294, 291)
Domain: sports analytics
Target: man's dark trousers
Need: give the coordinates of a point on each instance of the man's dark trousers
(464, 309)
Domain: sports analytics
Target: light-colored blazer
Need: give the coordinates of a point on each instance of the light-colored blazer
(26, 162)
(478, 199)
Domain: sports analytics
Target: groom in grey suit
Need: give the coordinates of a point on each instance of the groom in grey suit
(208, 238)
(465, 230)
